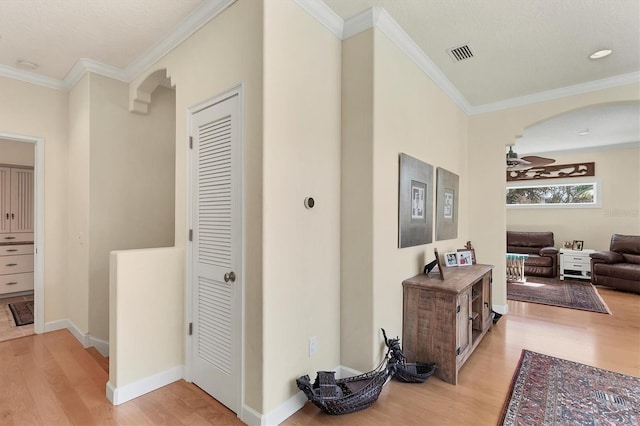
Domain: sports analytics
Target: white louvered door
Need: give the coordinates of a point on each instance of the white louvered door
(216, 255)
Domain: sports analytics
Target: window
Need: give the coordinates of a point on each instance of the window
(578, 194)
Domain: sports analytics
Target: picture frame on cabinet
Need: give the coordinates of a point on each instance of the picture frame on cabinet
(464, 258)
(450, 259)
(577, 245)
(472, 252)
(440, 265)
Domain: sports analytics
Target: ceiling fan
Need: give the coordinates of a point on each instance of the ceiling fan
(525, 163)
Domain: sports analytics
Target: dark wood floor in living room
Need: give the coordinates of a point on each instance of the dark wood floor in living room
(50, 379)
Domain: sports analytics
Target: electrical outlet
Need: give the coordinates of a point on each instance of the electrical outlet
(313, 346)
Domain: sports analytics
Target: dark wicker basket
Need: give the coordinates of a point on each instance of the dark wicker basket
(414, 372)
(408, 372)
(344, 396)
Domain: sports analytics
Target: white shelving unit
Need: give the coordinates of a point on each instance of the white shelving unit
(575, 264)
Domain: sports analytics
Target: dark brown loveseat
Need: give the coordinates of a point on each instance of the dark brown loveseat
(543, 256)
(619, 267)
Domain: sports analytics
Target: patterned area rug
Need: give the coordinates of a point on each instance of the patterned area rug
(573, 294)
(22, 312)
(551, 391)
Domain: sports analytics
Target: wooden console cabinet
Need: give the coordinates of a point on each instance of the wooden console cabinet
(444, 320)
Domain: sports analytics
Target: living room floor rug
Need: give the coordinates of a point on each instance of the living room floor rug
(552, 391)
(22, 312)
(574, 294)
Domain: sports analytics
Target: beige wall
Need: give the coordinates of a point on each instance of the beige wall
(17, 153)
(410, 115)
(294, 278)
(356, 227)
(619, 171)
(34, 111)
(489, 134)
(132, 183)
(224, 53)
(78, 184)
(147, 275)
(301, 158)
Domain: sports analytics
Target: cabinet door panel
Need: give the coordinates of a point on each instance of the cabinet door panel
(22, 199)
(463, 324)
(5, 199)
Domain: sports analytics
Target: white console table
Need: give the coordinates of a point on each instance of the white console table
(575, 264)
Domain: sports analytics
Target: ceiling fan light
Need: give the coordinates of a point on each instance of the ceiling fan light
(512, 157)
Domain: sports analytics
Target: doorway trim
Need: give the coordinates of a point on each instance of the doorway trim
(38, 232)
(191, 111)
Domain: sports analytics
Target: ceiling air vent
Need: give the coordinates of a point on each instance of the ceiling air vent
(460, 53)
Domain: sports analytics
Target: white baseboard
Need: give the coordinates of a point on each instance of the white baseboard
(56, 325)
(343, 371)
(86, 340)
(101, 345)
(283, 411)
(121, 394)
(250, 416)
(501, 309)
(290, 406)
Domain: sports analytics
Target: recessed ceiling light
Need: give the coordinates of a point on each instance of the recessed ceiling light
(600, 54)
(27, 65)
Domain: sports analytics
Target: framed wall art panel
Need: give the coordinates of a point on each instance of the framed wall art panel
(415, 202)
(446, 204)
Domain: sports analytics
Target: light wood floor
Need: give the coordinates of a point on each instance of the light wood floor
(50, 379)
(611, 342)
(8, 329)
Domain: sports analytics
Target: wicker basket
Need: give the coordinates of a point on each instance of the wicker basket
(414, 372)
(344, 396)
(408, 372)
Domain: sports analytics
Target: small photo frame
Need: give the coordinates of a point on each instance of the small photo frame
(473, 254)
(450, 259)
(577, 245)
(464, 258)
(440, 268)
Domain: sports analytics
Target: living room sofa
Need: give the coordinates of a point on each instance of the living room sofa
(543, 256)
(618, 267)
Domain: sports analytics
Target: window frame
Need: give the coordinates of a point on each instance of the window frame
(597, 182)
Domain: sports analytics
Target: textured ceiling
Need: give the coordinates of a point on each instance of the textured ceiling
(526, 49)
(521, 47)
(56, 33)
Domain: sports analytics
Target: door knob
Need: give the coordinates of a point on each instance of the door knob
(230, 276)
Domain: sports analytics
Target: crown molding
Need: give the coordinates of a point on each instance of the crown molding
(374, 17)
(30, 77)
(85, 65)
(196, 20)
(379, 18)
(324, 15)
(576, 89)
(398, 35)
(199, 17)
